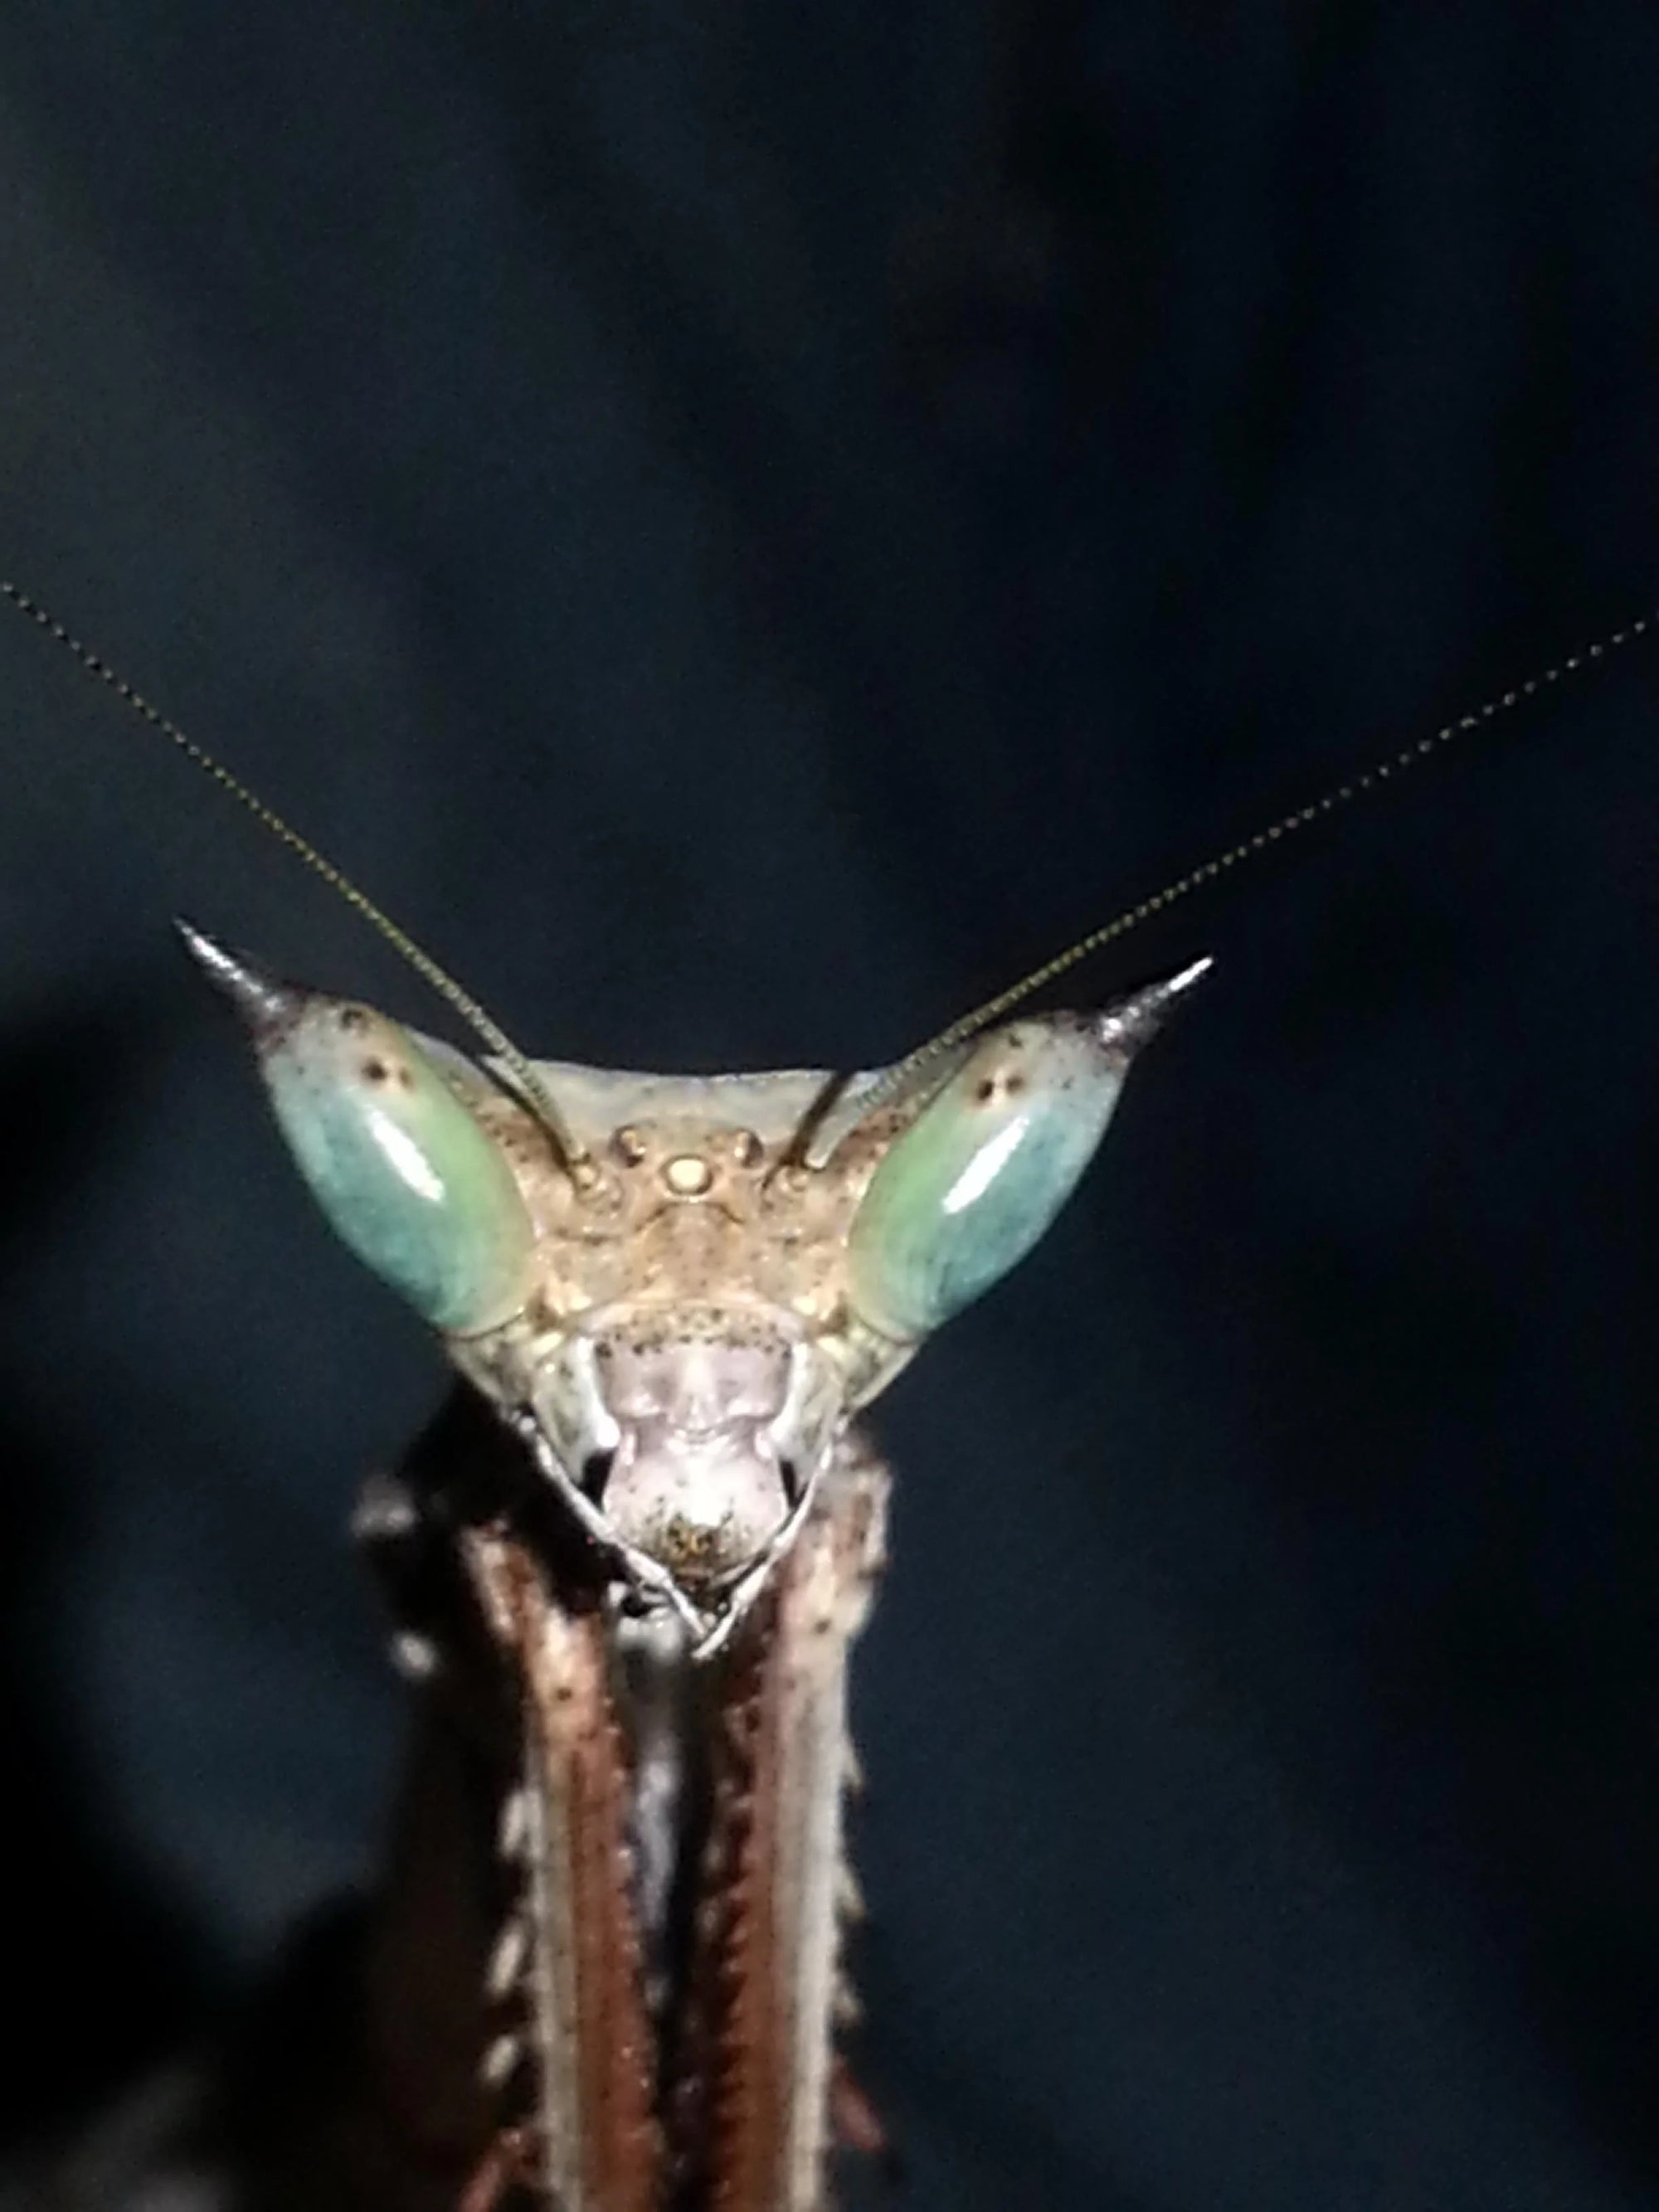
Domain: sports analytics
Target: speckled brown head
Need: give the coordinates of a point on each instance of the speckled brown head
(679, 1303)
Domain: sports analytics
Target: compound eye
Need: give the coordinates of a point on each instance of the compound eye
(968, 1188)
(966, 1191)
(405, 1174)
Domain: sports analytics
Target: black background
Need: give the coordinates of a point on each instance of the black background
(745, 527)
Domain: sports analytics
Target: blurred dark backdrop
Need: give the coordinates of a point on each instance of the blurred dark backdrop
(745, 527)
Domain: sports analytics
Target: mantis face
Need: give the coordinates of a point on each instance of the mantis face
(680, 1308)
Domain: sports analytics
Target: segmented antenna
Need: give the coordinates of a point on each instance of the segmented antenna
(1248, 848)
(526, 1079)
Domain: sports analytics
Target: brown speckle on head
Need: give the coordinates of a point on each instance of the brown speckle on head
(691, 1551)
(600, 1196)
(353, 1019)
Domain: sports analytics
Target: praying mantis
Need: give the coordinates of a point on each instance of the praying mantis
(1134, 1400)
(629, 1559)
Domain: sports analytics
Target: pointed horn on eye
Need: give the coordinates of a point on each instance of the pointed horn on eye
(1133, 1022)
(264, 1004)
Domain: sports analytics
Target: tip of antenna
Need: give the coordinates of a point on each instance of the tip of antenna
(263, 1002)
(1133, 1021)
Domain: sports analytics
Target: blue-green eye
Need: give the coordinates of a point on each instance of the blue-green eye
(405, 1174)
(968, 1188)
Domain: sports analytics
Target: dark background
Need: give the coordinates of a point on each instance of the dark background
(745, 527)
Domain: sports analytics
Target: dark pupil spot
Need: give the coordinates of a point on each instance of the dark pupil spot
(596, 1472)
(987, 1090)
(375, 1071)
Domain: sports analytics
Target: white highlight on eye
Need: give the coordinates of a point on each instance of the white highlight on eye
(411, 1163)
(985, 1165)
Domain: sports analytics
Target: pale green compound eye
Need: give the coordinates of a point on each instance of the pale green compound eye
(406, 1175)
(968, 1188)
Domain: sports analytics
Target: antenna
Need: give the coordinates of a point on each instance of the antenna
(1360, 785)
(525, 1077)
